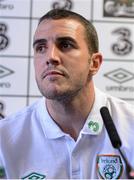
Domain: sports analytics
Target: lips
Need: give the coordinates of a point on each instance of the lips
(52, 73)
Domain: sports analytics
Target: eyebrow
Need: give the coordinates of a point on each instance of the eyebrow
(39, 41)
(64, 38)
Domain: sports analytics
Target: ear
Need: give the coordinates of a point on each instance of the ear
(95, 63)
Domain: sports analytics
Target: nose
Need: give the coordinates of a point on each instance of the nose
(53, 55)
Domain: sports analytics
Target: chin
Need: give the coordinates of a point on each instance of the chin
(58, 96)
(51, 94)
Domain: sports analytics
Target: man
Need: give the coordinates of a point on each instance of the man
(62, 136)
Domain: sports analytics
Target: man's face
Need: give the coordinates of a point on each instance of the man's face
(61, 58)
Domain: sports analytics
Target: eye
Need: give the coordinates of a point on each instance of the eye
(66, 45)
(40, 48)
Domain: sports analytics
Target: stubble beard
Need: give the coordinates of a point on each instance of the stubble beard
(64, 96)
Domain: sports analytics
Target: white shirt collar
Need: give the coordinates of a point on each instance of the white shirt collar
(50, 128)
(94, 122)
(93, 125)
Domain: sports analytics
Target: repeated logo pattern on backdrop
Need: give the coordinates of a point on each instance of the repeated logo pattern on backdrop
(114, 21)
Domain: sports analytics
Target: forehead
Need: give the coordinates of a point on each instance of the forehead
(61, 27)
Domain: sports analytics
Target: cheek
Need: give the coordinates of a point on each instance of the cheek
(38, 66)
(77, 68)
(37, 73)
(79, 73)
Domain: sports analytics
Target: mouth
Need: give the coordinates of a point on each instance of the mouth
(53, 73)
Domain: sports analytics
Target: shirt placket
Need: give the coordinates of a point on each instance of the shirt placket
(74, 159)
(75, 170)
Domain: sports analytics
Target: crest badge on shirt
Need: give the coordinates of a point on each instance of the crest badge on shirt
(109, 166)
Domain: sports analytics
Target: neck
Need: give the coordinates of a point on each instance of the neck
(71, 115)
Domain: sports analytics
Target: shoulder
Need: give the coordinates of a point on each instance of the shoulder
(17, 119)
(121, 112)
(114, 104)
(20, 127)
(120, 106)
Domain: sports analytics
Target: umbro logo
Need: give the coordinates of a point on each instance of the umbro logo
(120, 75)
(4, 71)
(34, 176)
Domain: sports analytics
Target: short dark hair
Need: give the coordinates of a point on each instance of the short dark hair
(90, 31)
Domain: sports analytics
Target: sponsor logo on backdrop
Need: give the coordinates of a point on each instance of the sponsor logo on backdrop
(62, 4)
(120, 76)
(4, 40)
(123, 45)
(5, 6)
(2, 107)
(4, 71)
(118, 8)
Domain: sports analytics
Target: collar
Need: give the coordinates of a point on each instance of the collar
(93, 124)
(50, 128)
